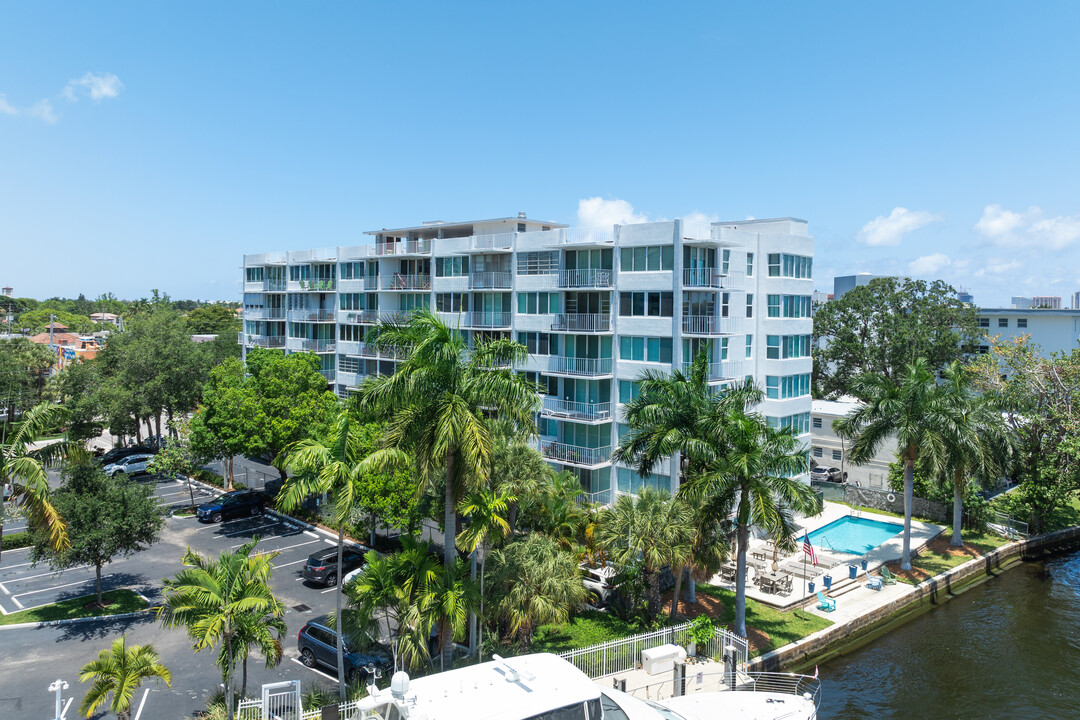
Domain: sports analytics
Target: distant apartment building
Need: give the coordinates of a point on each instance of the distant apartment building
(7, 291)
(846, 283)
(1050, 302)
(594, 306)
(827, 449)
(1076, 301)
(1052, 330)
(964, 296)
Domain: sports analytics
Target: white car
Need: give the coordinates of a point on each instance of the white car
(131, 465)
(599, 581)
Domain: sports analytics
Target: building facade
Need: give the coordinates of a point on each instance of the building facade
(1052, 330)
(827, 449)
(595, 308)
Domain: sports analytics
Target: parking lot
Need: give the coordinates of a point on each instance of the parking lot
(33, 655)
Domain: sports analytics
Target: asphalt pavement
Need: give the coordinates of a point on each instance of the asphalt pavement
(32, 658)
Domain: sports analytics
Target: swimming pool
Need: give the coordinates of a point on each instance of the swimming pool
(853, 535)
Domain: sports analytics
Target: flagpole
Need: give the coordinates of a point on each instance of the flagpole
(803, 577)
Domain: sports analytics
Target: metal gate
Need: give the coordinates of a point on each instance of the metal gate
(281, 700)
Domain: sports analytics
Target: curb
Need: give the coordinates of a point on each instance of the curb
(74, 621)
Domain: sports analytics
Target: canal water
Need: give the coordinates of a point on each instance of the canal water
(1008, 648)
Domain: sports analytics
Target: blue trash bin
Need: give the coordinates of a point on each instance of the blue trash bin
(864, 563)
(853, 571)
(812, 586)
(827, 581)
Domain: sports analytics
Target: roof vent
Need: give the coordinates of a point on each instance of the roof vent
(521, 215)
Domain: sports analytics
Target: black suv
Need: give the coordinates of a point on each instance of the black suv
(321, 567)
(238, 503)
(317, 642)
(120, 453)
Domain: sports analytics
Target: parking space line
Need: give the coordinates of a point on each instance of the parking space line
(290, 547)
(16, 601)
(295, 562)
(56, 587)
(8, 567)
(331, 542)
(55, 572)
(323, 592)
(4, 589)
(67, 705)
(314, 670)
(311, 534)
(143, 702)
(241, 532)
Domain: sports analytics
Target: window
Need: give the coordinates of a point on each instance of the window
(1021, 322)
(782, 387)
(630, 482)
(539, 343)
(984, 322)
(749, 346)
(348, 364)
(749, 264)
(782, 347)
(653, 304)
(351, 333)
(723, 348)
(628, 390)
(521, 227)
(789, 306)
(799, 422)
(452, 302)
(791, 266)
(818, 452)
(984, 349)
(749, 305)
(351, 301)
(540, 303)
(254, 274)
(647, 258)
(537, 263)
(352, 271)
(645, 349)
(451, 266)
(837, 455)
(1003, 322)
(817, 422)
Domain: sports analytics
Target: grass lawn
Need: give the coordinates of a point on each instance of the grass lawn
(939, 556)
(117, 602)
(588, 628)
(767, 627)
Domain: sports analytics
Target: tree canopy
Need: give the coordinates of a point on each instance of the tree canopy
(885, 325)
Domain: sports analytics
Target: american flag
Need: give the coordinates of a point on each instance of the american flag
(809, 549)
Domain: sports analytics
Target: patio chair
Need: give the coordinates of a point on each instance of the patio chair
(784, 586)
(824, 603)
(874, 583)
(887, 577)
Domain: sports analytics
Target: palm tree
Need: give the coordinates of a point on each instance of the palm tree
(119, 671)
(260, 633)
(485, 510)
(559, 511)
(519, 470)
(977, 439)
(754, 475)
(709, 549)
(915, 411)
(24, 468)
(332, 465)
(437, 402)
(215, 599)
(450, 600)
(652, 527)
(534, 581)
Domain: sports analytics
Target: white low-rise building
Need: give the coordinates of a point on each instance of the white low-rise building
(1052, 330)
(830, 450)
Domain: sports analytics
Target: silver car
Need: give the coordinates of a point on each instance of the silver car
(131, 465)
(599, 581)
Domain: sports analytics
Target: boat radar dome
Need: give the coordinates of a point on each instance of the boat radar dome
(399, 684)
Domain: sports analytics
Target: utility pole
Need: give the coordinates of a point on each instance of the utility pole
(52, 320)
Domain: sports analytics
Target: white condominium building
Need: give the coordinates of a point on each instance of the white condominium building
(594, 306)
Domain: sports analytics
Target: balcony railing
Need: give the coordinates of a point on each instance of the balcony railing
(312, 315)
(351, 379)
(711, 278)
(266, 341)
(311, 345)
(329, 373)
(397, 281)
(499, 241)
(358, 316)
(582, 322)
(594, 236)
(274, 285)
(256, 286)
(720, 371)
(574, 454)
(403, 247)
(351, 285)
(486, 319)
(314, 285)
(489, 280)
(556, 407)
(709, 325)
(264, 313)
(560, 365)
(585, 278)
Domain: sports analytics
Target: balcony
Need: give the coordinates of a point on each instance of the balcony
(253, 287)
(403, 247)
(486, 319)
(710, 325)
(266, 341)
(329, 373)
(584, 236)
(711, 278)
(316, 285)
(277, 285)
(579, 367)
(369, 317)
(264, 313)
(351, 285)
(590, 412)
(585, 279)
(490, 281)
(582, 322)
(349, 379)
(397, 281)
(499, 241)
(312, 316)
(575, 455)
(725, 371)
(311, 345)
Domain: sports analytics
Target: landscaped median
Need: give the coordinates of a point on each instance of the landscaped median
(116, 602)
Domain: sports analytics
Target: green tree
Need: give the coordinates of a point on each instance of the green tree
(223, 426)
(105, 518)
(884, 326)
(652, 527)
(23, 467)
(23, 365)
(176, 459)
(337, 465)
(78, 388)
(436, 402)
(534, 581)
(912, 408)
(119, 671)
(518, 470)
(486, 512)
(38, 320)
(213, 600)
(755, 476)
(254, 632)
(213, 320)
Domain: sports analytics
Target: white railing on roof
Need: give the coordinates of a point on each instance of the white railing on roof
(498, 241)
(403, 247)
(595, 235)
(624, 654)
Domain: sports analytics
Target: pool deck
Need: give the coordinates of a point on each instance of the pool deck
(850, 595)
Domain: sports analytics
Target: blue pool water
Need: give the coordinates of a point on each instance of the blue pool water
(854, 535)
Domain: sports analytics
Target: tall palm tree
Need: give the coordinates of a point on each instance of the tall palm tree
(755, 476)
(486, 511)
(118, 671)
(653, 527)
(977, 439)
(211, 598)
(915, 411)
(519, 470)
(259, 633)
(24, 466)
(335, 465)
(437, 402)
(451, 599)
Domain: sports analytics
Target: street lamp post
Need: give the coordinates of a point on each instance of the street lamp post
(58, 687)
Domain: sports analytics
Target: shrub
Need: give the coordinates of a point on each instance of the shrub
(15, 541)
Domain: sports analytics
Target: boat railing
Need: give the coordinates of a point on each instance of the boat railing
(806, 687)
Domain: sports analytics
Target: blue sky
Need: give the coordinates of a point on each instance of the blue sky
(150, 144)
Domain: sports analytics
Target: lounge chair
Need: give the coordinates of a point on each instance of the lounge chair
(824, 603)
(887, 577)
(874, 583)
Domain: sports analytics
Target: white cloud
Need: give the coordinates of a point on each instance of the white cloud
(998, 266)
(1012, 229)
(43, 110)
(1056, 232)
(7, 108)
(890, 230)
(997, 222)
(99, 86)
(929, 264)
(598, 212)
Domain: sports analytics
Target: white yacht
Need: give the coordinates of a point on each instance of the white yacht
(547, 687)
